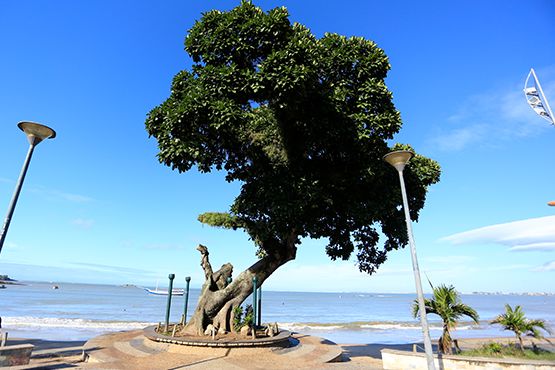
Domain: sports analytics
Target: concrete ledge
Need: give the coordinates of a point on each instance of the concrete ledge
(281, 338)
(400, 360)
(18, 354)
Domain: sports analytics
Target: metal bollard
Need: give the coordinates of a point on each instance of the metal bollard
(4, 339)
(187, 280)
(259, 306)
(254, 311)
(168, 306)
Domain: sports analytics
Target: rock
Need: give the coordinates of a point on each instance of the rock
(222, 330)
(272, 330)
(210, 329)
(245, 331)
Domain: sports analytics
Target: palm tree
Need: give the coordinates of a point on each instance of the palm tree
(447, 304)
(515, 321)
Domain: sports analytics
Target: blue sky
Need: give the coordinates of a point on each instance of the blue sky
(97, 206)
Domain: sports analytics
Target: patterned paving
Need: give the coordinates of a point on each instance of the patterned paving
(132, 350)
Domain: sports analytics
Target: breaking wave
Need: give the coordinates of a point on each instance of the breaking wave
(50, 322)
(371, 325)
(98, 325)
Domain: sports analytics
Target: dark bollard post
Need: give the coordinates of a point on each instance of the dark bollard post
(254, 311)
(260, 306)
(187, 280)
(168, 306)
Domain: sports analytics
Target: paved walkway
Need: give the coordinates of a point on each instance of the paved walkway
(132, 350)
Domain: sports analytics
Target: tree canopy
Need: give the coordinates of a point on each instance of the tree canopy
(446, 303)
(303, 123)
(516, 321)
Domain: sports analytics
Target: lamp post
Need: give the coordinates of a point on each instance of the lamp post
(35, 134)
(399, 159)
(536, 98)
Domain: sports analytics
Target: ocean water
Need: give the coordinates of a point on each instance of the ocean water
(82, 311)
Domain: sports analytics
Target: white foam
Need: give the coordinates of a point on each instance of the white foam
(51, 322)
(295, 326)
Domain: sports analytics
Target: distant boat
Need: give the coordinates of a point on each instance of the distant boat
(157, 291)
(175, 291)
(2, 286)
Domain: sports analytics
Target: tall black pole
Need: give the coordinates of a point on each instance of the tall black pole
(259, 306)
(254, 301)
(35, 133)
(169, 303)
(13, 202)
(187, 280)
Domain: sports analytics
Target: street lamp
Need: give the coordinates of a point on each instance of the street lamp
(536, 98)
(35, 134)
(399, 159)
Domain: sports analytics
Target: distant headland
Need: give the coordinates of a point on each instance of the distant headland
(5, 279)
(525, 293)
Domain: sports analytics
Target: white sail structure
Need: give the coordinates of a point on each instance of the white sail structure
(536, 98)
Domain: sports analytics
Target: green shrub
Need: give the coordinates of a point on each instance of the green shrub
(499, 350)
(239, 321)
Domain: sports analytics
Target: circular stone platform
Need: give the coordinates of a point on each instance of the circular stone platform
(282, 339)
(132, 350)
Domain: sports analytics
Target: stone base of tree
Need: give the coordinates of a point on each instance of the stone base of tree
(221, 340)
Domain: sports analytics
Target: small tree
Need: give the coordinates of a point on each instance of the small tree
(302, 123)
(446, 303)
(516, 321)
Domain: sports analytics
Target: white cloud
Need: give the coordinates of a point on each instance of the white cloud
(164, 246)
(110, 268)
(519, 266)
(545, 246)
(460, 138)
(492, 116)
(12, 245)
(338, 276)
(526, 235)
(70, 197)
(453, 260)
(76, 198)
(83, 223)
(549, 266)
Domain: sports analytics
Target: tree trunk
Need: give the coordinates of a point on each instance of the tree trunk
(520, 342)
(444, 343)
(218, 300)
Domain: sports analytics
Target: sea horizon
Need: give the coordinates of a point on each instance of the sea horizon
(182, 286)
(79, 311)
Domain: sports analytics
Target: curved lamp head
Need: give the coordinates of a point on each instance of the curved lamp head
(36, 132)
(398, 158)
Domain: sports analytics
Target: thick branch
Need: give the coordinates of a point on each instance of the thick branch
(204, 262)
(220, 277)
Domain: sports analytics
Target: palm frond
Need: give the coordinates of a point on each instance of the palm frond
(446, 303)
(515, 320)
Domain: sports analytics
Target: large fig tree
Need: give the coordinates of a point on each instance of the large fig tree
(302, 123)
